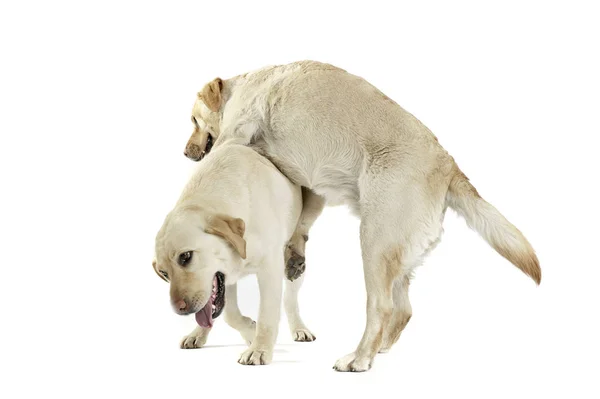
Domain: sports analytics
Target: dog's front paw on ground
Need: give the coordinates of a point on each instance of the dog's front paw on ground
(303, 335)
(295, 266)
(352, 363)
(196, 339)
(256, 357)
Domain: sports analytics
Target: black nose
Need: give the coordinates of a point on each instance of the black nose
(185, 152)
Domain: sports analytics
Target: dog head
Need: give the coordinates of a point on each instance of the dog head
(206, 118)
(194, 251)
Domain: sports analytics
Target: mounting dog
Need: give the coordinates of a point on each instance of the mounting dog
(345, 141)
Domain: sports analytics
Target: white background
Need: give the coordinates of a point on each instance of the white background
(95, 107)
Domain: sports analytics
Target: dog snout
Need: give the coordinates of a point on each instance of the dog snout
(193, 152)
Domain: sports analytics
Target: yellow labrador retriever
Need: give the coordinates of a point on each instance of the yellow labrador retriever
(233, 218)
(345, 141)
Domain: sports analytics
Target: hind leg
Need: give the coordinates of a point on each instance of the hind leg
(400, 316)
(400, 220)
(381, 268)
(299, 331)
(402, 313)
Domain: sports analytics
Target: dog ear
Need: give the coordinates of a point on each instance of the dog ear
(211, 94)
(231, 229)
(157, 273)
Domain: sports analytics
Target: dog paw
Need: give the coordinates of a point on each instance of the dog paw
(303, 335)
(255, 357)
(196, 339)
(295, 266)
(352, 363)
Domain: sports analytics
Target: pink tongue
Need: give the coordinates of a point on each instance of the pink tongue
(204, 315)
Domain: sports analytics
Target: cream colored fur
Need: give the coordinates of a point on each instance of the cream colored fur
(236, 215)
(339, 136)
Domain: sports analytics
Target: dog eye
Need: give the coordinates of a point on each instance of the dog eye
(184, 258)
(164, 274)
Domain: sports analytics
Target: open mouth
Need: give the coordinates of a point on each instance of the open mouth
(207, 148)
(215, 304)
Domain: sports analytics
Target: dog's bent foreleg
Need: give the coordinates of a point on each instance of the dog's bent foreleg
(295, 259)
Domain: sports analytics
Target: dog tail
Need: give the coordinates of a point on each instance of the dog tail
(482, 217)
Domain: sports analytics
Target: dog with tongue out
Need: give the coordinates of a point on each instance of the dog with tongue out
(233, 218)
(214, 306)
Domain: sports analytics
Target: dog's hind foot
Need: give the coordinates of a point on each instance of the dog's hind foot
(303, 335)
(353, 363)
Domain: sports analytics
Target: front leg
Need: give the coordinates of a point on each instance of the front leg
(270, 286)
(234, 318)
(295, 261)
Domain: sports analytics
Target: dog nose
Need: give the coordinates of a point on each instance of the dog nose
(181, 305)
(185, 152)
